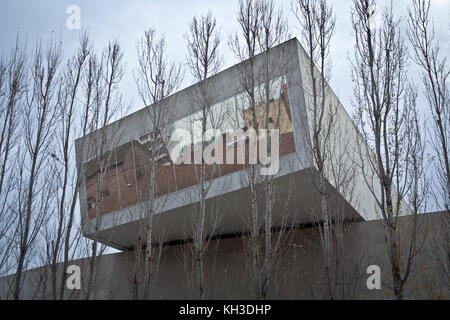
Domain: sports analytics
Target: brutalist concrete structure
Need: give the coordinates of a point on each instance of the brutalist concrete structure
(298, 275)
(178, 190)
(298, 271)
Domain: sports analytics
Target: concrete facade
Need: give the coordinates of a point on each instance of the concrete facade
(297, 274)
(297, 271)
(121, 214)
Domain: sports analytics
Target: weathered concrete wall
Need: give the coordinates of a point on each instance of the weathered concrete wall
(121, 217)
(297, 273)
(346, 151)
(224, 85)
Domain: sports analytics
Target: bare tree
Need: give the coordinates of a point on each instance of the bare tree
(273, 31)
(156, 78)
(262, 27)
(59, 238)
(12, 88)
(204, 61)
(435, 78)
(435, 74)
(385, 113)
(71, 242)
(317, 27)
(102, 88)
(331, 135)
(248, 17)
(39, 117)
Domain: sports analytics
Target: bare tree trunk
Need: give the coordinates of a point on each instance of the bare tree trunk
(386, 106)
(249, 22)
(69, 88)
(150, 214)
(156, 78)
(107, 74)
(204, 61)
(267, 181)
(317, 26)
(262, 27)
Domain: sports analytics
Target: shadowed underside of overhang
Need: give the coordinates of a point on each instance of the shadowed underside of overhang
(297, 203)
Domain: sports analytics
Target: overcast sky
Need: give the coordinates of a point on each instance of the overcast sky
(127, 20)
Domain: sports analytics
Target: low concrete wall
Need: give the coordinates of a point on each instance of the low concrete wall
(297, 272)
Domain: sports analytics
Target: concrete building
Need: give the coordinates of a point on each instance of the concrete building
(298, 273)
(121, 185)
(124, 181)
